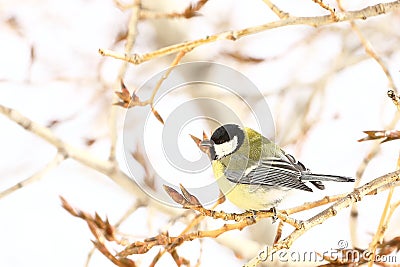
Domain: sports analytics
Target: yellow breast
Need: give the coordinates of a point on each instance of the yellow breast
(244, 196)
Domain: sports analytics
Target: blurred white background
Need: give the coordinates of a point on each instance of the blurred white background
(322, 88)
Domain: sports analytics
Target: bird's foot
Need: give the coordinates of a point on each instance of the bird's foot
(274, 217)
(253, 215)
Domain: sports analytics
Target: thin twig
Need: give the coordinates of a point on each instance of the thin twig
(380, 231)
(122, 6)
(386, 135)
(46, 134)
(383, 223)
(282, 215)
(394, 97)
(198, 262)
(280, 13)
(392, 208)
(327, 7)
(314, 204)
(307, 122)
(127, 100)
(189, 12)
(103, 166)
(374, 150)
(195, 222)
(279, 230)
(89, 256)
(369, 49)
(164, 240)
(130, 211)
(149, 174)
(173, 245)
(189, 201)
(35, 177)
(235, 35)
(371, 52)
(137, 204)
(174, 63)
(131, 38)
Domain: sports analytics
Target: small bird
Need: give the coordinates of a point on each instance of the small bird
(253, 172)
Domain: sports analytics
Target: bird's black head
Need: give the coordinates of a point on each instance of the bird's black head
(225, 140)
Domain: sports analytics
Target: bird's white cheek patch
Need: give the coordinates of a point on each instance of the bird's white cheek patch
(226, 148)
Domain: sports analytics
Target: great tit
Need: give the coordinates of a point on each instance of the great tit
(253, 172)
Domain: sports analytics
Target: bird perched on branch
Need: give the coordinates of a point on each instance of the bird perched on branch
(253, 172)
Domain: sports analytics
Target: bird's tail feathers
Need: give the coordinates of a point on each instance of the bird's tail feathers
(325, 177)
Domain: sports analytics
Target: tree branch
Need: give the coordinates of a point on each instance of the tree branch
(35, 177)
(130, 41)
(364, 13)
(108, 168)
(280, 13)
(355, 196)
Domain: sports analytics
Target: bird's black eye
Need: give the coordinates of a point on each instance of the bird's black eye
(226, 133)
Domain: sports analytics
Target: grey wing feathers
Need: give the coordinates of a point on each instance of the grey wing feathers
(271, 171)
(300, 166)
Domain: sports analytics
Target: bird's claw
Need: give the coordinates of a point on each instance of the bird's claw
(274, 217)
(253, 215)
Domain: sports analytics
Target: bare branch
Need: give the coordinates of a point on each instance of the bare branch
(369, 49)
(189, 12)
(127, 101)
(131, 38)
(314, 204)
(355, 196)
(35, 177)
(149, 176)
(106, 167)
(102, 230)
(280, 13)
(388, 135)
(378, 237)
(395, 97)
(327, 7)
(364, 13)
(374, 150)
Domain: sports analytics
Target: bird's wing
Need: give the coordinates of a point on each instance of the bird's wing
(303, 169)
(271, 171)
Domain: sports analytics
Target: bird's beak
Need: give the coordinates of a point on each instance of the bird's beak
(206, 144)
